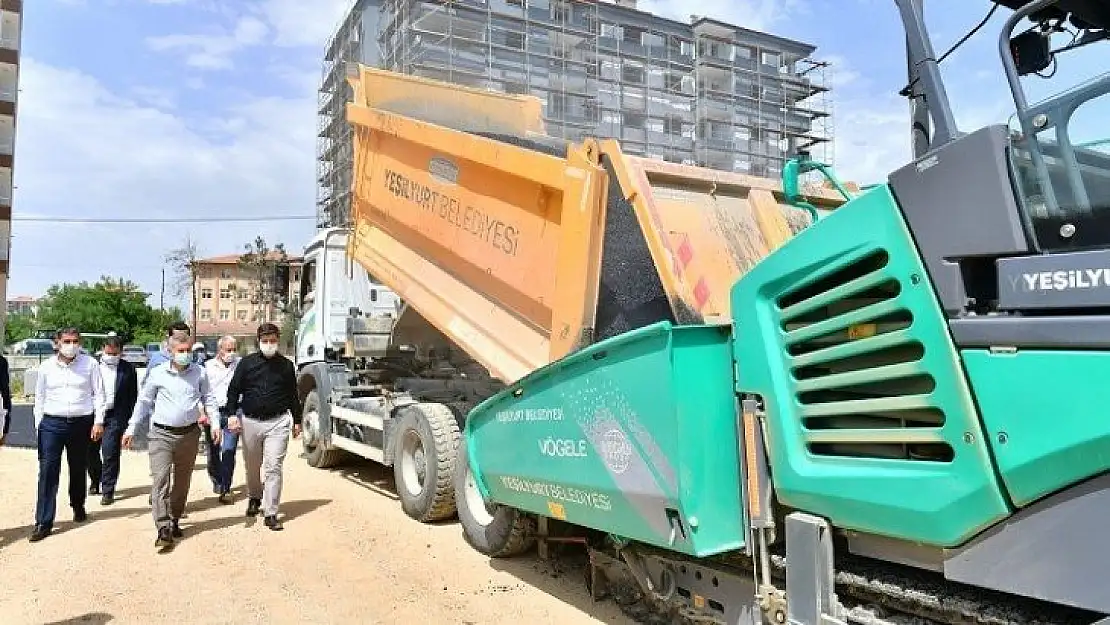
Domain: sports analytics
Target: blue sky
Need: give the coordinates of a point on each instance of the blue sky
(207, 107)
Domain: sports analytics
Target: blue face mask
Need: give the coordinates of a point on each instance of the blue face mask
(182, 359)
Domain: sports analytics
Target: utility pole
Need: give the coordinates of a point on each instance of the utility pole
(162, 296)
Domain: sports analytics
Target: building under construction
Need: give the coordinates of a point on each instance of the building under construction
(705, 92)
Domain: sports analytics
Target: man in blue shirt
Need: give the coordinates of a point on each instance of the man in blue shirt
(179, 329)
(176, 392)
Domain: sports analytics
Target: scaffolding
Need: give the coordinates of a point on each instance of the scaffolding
(704, 93)
(334, 146)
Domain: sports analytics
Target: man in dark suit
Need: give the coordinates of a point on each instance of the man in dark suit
(6, 395)
(121, 391)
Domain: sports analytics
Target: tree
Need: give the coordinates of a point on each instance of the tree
(263, 267)
(267, 270)
(19, 326)
(183, 264)
(110, 305)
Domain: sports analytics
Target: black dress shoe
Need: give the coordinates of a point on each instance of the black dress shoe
(40, 532)
(273, 523)
(94, 489)
(225, 498)
(165, 537)
(79, 515)
(254, 506)
(177, 533)
(107, 499)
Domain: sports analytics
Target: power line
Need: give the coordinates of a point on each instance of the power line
(156, 220)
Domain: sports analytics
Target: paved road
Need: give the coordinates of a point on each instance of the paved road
(22, 433)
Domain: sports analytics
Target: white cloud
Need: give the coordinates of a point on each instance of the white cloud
(86, 151)
(303, 23)
(213, 51)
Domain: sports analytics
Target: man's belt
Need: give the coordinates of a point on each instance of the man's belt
(265, 416)
(69, 417)
(175, 429)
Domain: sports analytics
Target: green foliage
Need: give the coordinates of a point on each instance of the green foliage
(109, 305)
(260, 265)
(19, 326)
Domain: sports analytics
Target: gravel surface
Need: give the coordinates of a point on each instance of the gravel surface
(347, 555)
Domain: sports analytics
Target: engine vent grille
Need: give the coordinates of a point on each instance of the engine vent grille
(856, 366)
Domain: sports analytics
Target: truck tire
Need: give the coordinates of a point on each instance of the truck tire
(424, 461)
(316, 453)
(495, 530)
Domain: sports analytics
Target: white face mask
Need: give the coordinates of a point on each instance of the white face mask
(69, 350)
(229, 357)
(109, 359)
(268, 349)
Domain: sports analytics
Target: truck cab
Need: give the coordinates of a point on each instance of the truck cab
(332, 290)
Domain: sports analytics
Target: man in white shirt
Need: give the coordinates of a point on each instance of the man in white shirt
(69, 411)
(221, 441)
(176, 392)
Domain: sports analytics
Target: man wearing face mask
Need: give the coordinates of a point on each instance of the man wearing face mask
(200, 353)
(265, 385)
(121, 388)
(178, 329)
(220, 438)
(69, 410)
(176, 392)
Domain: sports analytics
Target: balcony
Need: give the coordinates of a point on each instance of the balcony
(9, 30)
(9, 83)
(5, 243)
(5, 191)
(7, 137)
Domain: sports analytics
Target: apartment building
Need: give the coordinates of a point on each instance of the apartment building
(23, 305)
(11, 30)
(227, 302)
(702, 92)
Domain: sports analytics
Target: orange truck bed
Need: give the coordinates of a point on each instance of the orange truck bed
(520, 247)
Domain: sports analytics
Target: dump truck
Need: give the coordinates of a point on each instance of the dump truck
(760, 400)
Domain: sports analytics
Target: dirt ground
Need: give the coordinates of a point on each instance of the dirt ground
(347, 555)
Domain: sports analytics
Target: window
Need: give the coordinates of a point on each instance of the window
(206, 293)
(309, 281)
(225, 315)
(632, 74)
(225, 293)
(514, 40)
(241, 315)
(244, 294)
(634, 120)
(206, 314)
(633, 34)
(225, 274)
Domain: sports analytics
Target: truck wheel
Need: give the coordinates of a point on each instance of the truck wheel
(424, 461)
(495, 530)
(315, 451)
